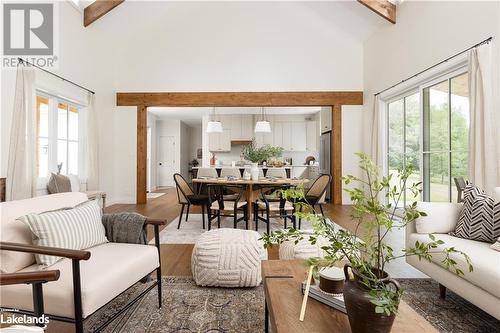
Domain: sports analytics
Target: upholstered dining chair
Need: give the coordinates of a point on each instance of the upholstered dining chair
(316, 194)
(230, 172)
(275, 206)
(227, 206)
(207, 172)
(187, 197)
(276, 172)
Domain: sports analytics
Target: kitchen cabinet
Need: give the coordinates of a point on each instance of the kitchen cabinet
(241, 126)
(312, 136)
(219, 142)
(326, 119)
(297, 136)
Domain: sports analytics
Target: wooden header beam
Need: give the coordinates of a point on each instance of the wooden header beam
(97, 9)
(208, 99)
(382, 7)
(333, 99)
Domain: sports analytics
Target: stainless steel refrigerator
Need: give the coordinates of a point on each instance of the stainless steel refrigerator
(324, 158)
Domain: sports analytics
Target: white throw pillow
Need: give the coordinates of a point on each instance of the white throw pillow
(75, 183)
(441, 217)
(75, 228)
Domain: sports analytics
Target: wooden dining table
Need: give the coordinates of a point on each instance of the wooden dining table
(250, 187)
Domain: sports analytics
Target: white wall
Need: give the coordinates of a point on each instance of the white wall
(195, 141)
(184, 150)
(352, 142)
(426, 33)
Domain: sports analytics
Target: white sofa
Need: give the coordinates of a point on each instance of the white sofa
(482, 286)
(105, 271)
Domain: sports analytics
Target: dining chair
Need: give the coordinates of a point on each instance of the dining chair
(273, 206)
(221, 206)
(230, 172)
(316, 194)
(460, 183)
(276, 172)
(207, 172)
(186, 196)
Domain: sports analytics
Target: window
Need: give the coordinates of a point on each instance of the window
(57, 128)
(429, 129)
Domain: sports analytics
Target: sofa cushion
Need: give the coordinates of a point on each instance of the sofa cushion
(486, 261)
(496, 246)
(13, 231)
(480, 216)
(75, 228)
(111, 269)
(441, 217)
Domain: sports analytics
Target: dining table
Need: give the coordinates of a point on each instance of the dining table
(250, 191)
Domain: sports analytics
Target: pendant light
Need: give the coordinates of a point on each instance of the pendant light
(262, 126)
(213, 125)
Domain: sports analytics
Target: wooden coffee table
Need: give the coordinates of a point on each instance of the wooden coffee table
(282, 285)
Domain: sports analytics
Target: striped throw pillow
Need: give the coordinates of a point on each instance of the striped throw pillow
(74, 228)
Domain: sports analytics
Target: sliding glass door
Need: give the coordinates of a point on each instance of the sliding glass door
(429, 129)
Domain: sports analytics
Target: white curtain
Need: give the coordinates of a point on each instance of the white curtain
(21, 171)
(484, 159)
(375, 143)
(91, 147)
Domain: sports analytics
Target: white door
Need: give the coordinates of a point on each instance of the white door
(166, 161)
(149, 185)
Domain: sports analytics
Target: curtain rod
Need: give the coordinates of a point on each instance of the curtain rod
(486, 41)
(21, 60)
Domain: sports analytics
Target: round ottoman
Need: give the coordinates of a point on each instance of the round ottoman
(303, 249)
(228, 258)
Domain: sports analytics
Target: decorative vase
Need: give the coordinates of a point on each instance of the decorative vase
(254, 171)
(360, 310)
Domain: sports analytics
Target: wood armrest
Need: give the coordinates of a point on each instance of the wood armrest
(29, 277)
(155, 221)
(51, 251)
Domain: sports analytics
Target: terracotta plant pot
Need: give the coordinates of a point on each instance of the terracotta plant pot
(361, 312)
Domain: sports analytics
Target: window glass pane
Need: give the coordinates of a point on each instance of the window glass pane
(413, 159)
(73, 157)
(439, 182)
(43, 156)
(42, 116)
(73, 124)
(396, 127)
(412, 124)
(460, 112)
(62, 154)
(62, 121)
(436, 117)
(395, 163)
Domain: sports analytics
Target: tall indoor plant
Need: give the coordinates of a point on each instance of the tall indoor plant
(372, 297)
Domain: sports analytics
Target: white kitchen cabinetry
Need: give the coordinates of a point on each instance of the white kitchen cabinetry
(218, 142)
(326, 119)
(298, 136)
(241, 127)
(312, 136)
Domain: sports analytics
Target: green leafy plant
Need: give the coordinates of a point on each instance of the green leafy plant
(256, 154)
(376, 211)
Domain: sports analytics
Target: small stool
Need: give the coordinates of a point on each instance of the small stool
(228, 258)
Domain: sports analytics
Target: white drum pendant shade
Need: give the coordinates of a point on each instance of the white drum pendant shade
(214, 127)
(262, 127)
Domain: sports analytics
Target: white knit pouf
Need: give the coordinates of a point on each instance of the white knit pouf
(228, 258)
(303, 249)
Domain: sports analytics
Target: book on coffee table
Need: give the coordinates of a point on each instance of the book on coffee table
(336, 301)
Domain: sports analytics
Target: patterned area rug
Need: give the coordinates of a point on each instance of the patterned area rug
(453, 314)
(186, 308)
(191, 230)
(189, 308)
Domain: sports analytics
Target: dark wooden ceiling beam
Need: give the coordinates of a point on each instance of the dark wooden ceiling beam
(97, 9)
(382, 7)
(200, 99)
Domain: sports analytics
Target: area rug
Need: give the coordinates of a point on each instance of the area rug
(186, 308)
(152, 195)
(191, 230)
(453, 314)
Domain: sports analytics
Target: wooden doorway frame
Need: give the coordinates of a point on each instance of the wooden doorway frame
(333, 99)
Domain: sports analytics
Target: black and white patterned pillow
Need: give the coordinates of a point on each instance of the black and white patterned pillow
(480, 216)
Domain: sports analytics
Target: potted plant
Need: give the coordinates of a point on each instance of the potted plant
(372, 297)
(257, 155)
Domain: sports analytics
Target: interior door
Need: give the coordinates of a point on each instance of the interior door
(166, 161)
